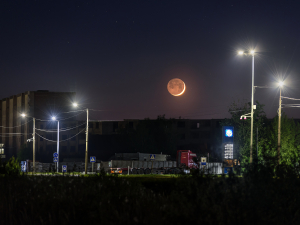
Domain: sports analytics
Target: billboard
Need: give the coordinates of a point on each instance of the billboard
(227, 140)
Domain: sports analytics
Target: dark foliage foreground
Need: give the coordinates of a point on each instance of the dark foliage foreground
(257, 198)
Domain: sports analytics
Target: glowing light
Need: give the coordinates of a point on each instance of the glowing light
(252, 52)
(23, 114)
(240, 52)
(281, 83)
(75, 104)
(53, 118)
(228, 133)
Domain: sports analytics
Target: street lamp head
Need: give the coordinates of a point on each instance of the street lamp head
(252, 52)
(241, 52)
(23, 114)
(280, 84)
(53, 118)
(75, 104)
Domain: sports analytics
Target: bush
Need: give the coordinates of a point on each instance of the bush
(12, 167)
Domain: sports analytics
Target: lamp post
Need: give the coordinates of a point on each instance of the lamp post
(279, 122)
(86, 140)
(86, 137)
(252, 99)
(54, 118)
(33, 142)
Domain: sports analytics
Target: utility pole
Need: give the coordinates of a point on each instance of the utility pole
(279, 127)
(86, 140)
(252, 52)
(33, 145)
(257, 143)
(57, 146)
(252, 99)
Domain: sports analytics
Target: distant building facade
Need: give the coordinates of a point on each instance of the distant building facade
(200, 136)
(16, 130)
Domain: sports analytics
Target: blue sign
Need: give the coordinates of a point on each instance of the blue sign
(23, 166)
(64, 168)
(227, 170)
(93, 159)
(228, 132)
(55, 159)
(227, 140)
(152, 157)
(203, 163)
(55, 155)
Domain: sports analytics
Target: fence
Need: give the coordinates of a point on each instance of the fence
(50, 167)
(212, 168)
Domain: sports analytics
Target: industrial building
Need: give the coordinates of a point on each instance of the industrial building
(16, 130)
(200, 136)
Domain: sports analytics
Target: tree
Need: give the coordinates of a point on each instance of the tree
(242, 130)
(12, 167)
(290, 142)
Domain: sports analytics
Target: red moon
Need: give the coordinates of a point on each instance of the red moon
(176, 87)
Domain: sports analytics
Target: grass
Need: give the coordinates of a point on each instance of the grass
(148, 199)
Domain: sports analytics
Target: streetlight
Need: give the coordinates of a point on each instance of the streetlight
(86, 137)
(33, 141)
(280, 84)
(252, 97)
(54, 119)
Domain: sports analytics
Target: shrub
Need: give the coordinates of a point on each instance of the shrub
(12, 167)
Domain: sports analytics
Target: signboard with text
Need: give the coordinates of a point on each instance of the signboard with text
(227, 140)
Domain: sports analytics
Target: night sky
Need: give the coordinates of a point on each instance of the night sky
(118, 56)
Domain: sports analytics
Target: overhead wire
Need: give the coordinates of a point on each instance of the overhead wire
(16, 126)
(60, 130)
(60, 140)
(11, 134)
(290, 98)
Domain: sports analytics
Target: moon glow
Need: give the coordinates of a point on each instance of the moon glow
(176, 87)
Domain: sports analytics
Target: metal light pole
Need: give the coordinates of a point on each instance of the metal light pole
(252, 100)
(57, 145)
(86, 140)
(86, 137)
(33, 142)
(54, 118)
(33, 145)
(279, 123)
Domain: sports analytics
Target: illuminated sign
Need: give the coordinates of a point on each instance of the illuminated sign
(227, 140)
(228, 152)
(228, 133)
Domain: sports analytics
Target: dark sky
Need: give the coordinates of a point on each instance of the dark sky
(118, 56)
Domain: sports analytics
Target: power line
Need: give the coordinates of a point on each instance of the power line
(16, 126)
(61, 140)
(60, 130)
(291, 98)
(11, 134)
